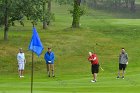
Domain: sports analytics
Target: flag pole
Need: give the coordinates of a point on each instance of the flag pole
(32, 72)
(36, 47)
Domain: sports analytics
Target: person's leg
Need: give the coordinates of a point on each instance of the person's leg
(120, 68)
(123, 72)
(52, 68)
(95, 69)
(48, 69)
(119, 73)
(95, 76)
(96, 72)
(19, 72)
(22, 71)
(92, 71)
(124, 66)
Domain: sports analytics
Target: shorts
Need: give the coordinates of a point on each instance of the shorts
(122, 66)
(21, 66)
(95, 68)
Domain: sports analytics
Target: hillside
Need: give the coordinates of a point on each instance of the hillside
(71, 46)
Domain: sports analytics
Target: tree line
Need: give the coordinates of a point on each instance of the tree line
(40, 10)
(115, 4)
(34, 10)
(12, 10)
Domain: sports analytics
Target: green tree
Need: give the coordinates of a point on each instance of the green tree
(49, 13)
(48, 16)
(11, 10)
(8, 14)
(44, 15)
(76, 14)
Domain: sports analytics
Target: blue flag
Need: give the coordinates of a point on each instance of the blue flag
(35, 43)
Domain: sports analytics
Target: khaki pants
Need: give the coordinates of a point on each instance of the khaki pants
(50, 67)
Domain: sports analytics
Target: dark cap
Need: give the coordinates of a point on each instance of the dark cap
(49, 47)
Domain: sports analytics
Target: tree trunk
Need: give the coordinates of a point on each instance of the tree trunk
(132, 3)
(95, 3)
(76, 14)
(6, 21)
(116, 4)
(49, 11)
(119, 3)
(44, 16)
(49, 6)
(126, 3)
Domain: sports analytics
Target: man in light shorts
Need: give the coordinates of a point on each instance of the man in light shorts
(21, 62)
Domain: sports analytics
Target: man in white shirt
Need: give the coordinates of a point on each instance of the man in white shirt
(21, 62)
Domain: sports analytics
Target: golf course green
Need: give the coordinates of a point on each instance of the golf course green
(101, 32)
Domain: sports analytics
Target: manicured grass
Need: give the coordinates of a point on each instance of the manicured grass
(71, 46)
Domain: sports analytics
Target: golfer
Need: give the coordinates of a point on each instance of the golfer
(123, 61)
(49, 58)
(21, 62)
(94, 65)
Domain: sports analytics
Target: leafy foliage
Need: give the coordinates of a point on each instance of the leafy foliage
(62, 2)
(18, 9)
(12, 10)
(76, 13)
(82, 11)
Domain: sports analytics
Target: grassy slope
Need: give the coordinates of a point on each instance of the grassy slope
(71, 47)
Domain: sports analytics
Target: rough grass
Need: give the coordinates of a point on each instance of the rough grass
(104, 36)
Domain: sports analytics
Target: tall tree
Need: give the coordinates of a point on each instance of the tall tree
(11, 10)
(49, 5)
(8, 11)
(44, 15)
(6, 20)
(47, 13)
(76, 14)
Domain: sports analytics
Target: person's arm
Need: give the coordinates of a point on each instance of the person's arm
(119, 57)
(24, 59)
(45, 57)
(53, 57)
(94, 59)
(17, 57)
(17, 60)
(89, 59)
(127, 59)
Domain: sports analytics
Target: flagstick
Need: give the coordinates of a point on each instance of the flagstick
(32, 71)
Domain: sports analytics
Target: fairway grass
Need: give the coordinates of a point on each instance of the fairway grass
(71, 46)
(67, 84)
(72, 69)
